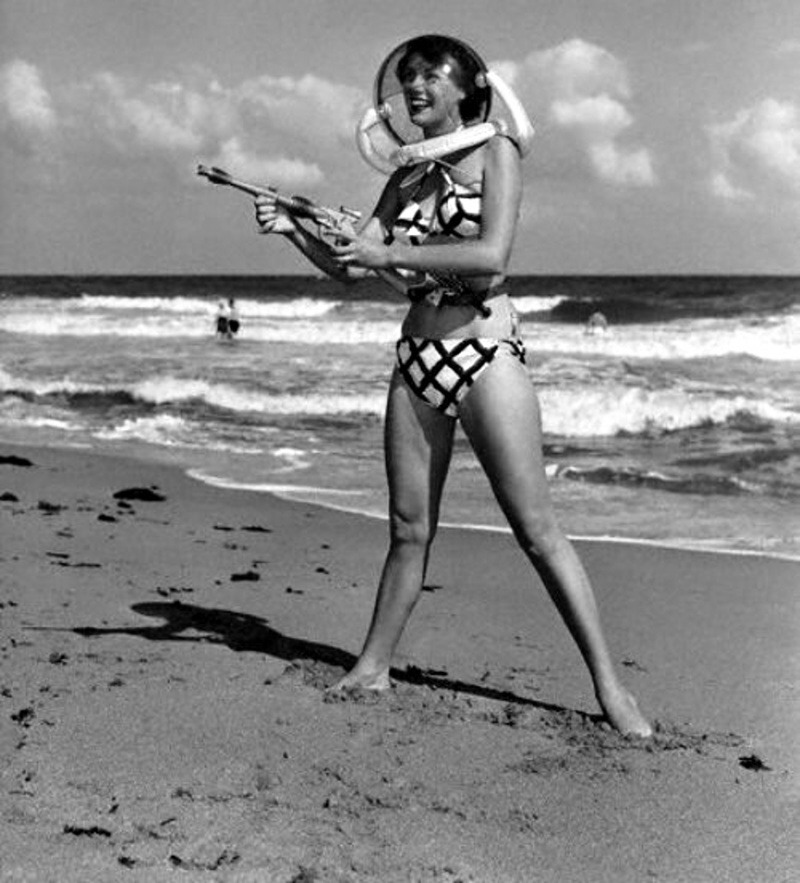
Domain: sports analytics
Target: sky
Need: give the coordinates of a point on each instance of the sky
(667, 131)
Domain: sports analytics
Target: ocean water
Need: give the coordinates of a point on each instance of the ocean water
(680, 424)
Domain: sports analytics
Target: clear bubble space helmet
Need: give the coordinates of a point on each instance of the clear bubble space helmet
(388, 139)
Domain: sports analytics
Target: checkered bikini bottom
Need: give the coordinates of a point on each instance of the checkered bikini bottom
(441, 372)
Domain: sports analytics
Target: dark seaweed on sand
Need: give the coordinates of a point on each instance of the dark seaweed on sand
(144, 494)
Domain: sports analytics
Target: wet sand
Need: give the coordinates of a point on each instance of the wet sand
(163, 657)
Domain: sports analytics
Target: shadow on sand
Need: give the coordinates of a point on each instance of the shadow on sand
(244, 632)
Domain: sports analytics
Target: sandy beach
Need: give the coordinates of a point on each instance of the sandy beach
(165, 647)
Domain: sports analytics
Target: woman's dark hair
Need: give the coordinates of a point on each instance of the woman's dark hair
(467, 71)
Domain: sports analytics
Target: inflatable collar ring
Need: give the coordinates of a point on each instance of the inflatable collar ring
(383, 144)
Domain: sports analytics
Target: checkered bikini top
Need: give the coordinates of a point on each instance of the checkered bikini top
(456, 211)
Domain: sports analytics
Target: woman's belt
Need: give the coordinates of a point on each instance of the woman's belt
(446, 290)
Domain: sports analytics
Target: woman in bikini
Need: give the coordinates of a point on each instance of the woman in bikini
(448, 227)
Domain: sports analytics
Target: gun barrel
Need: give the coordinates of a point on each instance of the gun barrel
(252, 189)
(220, 176)
(299, 206)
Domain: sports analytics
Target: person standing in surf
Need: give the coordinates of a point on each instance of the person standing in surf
(234, 323)
(445, 226)
(221, 320)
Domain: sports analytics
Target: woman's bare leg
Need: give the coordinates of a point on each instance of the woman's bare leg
(418, 445)
(510, 451)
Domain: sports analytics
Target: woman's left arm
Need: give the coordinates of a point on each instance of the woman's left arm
(486, 255)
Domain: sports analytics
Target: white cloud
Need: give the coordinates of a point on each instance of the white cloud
(581, 90)
(697, 47)
(160, 117)
(265, 126)
(600, 115)
(756, 154)
(788, 47)
(290, 172)
(157, 118)
(721, 186)
(25, 103)
(621, 166)
(576, 69)
(308, 107)
(279, 128)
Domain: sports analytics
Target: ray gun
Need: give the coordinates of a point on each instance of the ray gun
(329, 220)
(332, 221)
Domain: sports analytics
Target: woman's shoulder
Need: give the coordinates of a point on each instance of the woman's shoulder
(499, 150)
(501, 144)
(501, 156)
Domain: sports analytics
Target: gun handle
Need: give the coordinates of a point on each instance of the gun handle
(393, 278)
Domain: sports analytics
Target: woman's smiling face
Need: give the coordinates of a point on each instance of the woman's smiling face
(431, 95)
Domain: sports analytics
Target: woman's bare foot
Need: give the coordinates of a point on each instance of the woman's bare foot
(622, 712)
(376, 681)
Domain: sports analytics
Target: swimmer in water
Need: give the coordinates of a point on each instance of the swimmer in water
(596, 324)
